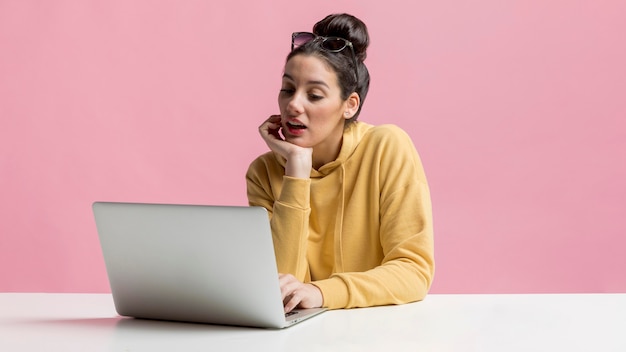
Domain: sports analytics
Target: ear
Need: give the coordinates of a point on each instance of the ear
(352, 105)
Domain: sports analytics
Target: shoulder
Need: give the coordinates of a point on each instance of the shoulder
(388, 130)
(399, 162)
(392, 147)
(263, 159)
(263, 165)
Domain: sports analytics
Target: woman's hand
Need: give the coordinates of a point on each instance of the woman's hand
(296, 294)
(299, 159)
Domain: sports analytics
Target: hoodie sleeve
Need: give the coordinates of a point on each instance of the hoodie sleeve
(287, 200)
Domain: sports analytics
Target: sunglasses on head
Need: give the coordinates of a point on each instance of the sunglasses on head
(330, 44)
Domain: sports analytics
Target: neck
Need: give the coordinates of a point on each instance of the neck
(323, 155)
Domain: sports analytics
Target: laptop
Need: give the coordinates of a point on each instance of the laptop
(193, 263)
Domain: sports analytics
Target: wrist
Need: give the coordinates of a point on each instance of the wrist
(299, 163)
(319, 296)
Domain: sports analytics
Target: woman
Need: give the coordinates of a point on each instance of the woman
(349, 204)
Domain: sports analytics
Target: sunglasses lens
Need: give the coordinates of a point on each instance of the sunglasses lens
(334, 44)
(302, 38)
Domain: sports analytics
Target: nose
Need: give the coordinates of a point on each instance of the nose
(294, 105)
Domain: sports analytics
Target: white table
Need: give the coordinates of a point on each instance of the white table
(552, 322)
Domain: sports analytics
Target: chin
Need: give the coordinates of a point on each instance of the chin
(297, 141)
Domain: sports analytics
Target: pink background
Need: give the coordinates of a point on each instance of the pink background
(517, 108)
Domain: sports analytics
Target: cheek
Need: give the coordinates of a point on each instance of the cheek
(281, 103)
(331, 112)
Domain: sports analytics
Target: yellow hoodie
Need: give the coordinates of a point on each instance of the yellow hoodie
(360, 228)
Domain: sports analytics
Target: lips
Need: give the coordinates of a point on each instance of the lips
(295, 127)
(295, 124)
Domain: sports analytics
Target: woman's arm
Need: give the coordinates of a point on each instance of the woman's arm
(284, 190)
(289, 220)
(406, 270)
(285, 193)
(403, 213)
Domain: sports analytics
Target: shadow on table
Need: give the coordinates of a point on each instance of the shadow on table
(86, 323)
(120, 333)
(155, 335)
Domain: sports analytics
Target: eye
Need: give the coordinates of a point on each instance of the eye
(287, 91)
(315, 97)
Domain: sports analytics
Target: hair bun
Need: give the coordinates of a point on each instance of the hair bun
(348, 27)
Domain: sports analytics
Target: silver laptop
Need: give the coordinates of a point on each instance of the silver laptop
(193, 263)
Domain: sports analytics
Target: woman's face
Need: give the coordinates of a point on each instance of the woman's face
(311, 109)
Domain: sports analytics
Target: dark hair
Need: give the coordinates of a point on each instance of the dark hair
(350, 28)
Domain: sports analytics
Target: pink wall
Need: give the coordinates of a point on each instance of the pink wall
(517, 107)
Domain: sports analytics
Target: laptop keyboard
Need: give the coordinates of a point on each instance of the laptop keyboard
(290, 314)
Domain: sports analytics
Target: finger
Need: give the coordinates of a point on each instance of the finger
(292, 301)
(283, 279)
(272, 129)
(274, 118)
(267, 126)
(276, 133)
(289, 288)
(288, 285)
(286, 301)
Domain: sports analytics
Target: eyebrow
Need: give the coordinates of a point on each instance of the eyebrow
(321, 83)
